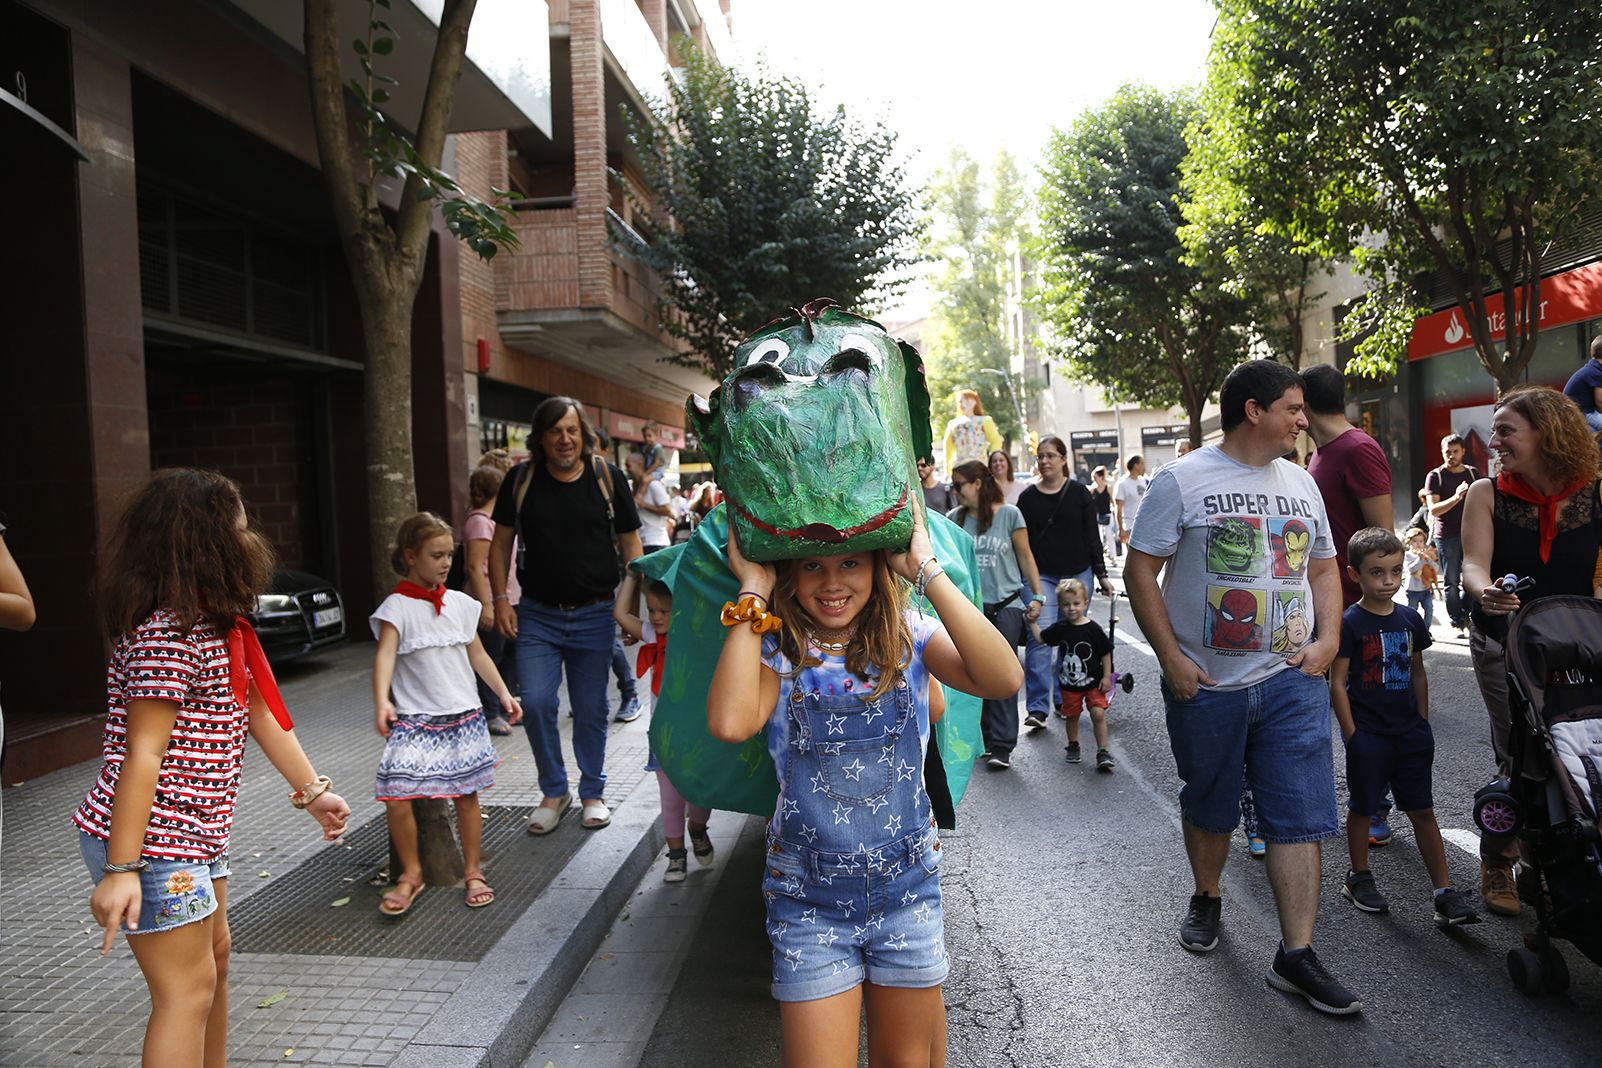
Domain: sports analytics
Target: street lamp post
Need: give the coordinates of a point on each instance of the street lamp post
(1023, 423)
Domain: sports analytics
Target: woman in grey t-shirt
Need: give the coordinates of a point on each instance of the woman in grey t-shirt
(1006, 565)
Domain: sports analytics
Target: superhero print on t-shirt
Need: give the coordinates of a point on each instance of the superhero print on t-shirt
(1387, 660)
(1235, 545)
(1235, 619)
(1290, 540)
(1291, 628)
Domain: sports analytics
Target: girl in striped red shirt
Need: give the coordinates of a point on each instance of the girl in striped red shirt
(187, 682)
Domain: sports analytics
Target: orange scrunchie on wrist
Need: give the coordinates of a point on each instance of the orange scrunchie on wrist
(748, 611)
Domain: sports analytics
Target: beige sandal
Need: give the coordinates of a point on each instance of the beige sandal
(596, 815)
(545, 818)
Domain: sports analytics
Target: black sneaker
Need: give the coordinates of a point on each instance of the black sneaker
(1104, 760)
(677, 869)
(1035, 720)
(1304, 974)
(1198, 931)
(1361, 891)
(701, 846)
(1452, 909)
(1073, 753)
(999, 761)
(985, 755)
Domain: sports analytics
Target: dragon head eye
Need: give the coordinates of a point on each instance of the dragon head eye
(862, 344)
(771, 350)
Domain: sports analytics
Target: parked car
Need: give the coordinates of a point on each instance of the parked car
(298, 613)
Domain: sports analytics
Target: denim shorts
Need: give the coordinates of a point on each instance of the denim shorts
(1278, 730)
(836, 919)
(1402, 762)
(172, 892)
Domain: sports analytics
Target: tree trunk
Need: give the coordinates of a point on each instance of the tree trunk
(436, 845)
(387, 391)
(1195, 416)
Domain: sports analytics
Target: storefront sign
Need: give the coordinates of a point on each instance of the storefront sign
(625, 427)
(1158, 436)
(1565, 298)
(1093, 439)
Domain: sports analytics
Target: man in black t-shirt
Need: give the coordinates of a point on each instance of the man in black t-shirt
(575, 533)
(1445, 488)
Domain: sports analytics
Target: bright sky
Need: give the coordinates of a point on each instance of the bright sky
(981, 74)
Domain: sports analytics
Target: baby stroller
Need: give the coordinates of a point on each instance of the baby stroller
(1552, 798)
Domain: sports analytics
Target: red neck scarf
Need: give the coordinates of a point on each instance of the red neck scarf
(652, 657)
(1546, 506)
(435, 596)
(246, 664)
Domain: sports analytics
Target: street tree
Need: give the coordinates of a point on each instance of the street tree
(1224, 239)
(1128, 309)
(386, 249)
(756, 201)
(1413, 136)
(972, 226)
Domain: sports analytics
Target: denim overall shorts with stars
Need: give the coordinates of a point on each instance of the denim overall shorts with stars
(852, 882)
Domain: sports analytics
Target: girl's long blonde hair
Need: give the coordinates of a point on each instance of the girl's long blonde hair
(880, 649)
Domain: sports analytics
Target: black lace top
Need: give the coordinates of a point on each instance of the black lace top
(1570, 566)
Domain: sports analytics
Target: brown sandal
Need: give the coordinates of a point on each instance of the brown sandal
(478, 876)
(396, 903)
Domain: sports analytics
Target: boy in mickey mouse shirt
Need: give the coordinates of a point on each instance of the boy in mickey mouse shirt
(1085, 675)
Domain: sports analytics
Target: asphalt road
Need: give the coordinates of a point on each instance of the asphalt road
(1063, 892)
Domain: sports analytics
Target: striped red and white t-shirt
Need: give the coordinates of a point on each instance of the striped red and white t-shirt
(198, 783)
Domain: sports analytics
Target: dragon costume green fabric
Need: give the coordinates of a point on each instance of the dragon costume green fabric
(812, 438)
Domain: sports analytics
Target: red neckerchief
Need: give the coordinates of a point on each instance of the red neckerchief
(246, 664)
(1546, 507)
(435, 596)
(651, 659)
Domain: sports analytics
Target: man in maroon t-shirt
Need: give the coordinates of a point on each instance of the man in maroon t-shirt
(1349, 467)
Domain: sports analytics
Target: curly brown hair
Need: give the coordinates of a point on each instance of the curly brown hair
(880, 649)
(1568, 451)
(178, 546)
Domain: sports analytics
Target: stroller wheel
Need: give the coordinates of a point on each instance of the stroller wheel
(1555, 970)
(1127, 681)
(1496, 814)
(1524, 967)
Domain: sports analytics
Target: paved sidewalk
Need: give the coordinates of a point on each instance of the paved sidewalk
(444, 986)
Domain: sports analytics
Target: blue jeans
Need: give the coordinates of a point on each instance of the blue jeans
(1450, 550)
(1423, 602)
(1040, 669)
(1278, 730)
(549, 640)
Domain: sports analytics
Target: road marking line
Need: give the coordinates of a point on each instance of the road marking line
(1138, 644)
(1467, 841)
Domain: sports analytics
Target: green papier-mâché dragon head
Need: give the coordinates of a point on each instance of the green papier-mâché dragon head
(814, 434)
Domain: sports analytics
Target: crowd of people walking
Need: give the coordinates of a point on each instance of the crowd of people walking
(1267, 592)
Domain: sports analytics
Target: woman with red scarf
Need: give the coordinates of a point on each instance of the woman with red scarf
(1538, 519)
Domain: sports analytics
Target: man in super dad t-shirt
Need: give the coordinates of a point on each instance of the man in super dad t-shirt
(1245, 626)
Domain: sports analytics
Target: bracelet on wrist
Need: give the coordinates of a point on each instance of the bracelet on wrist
(500, 597)
(748, 611)
(126, 869)
(743, 594)
(311, 791)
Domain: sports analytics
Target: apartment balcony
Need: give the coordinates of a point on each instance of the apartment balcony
(540, 307)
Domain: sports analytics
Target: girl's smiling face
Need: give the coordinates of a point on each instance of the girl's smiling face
(430, 562)
(833, 590)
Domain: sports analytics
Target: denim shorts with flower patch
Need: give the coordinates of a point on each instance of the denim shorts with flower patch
(172, 892)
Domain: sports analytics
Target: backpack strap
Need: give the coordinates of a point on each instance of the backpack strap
(603, 478)
(525, 475)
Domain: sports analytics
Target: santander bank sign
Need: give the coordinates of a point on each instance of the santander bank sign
(1565, 298)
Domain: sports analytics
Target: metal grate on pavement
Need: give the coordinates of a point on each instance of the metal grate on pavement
(297, 914)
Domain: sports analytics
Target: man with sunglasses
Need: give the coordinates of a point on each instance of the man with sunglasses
(938, 496)
(1066, 541)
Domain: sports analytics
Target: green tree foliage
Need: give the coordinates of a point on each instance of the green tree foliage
(971, 226)
(757, 202)
(1224, 239)
(1129, 309)
(1415, 136)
